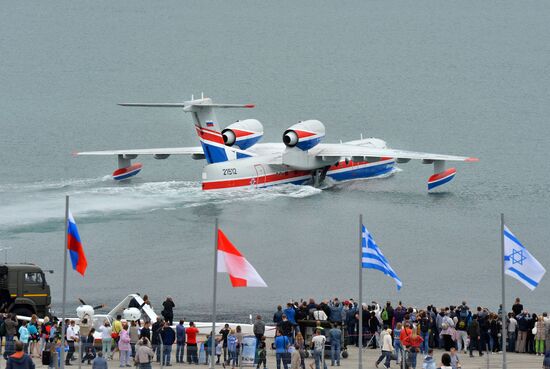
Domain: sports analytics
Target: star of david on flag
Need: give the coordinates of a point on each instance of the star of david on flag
(519, 263)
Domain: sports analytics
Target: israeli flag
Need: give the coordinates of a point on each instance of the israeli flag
(374, 259)
(519, 263)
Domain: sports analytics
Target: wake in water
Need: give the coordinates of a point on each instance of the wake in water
(31, 207)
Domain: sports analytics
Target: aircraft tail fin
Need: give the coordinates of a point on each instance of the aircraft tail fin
(206, 125)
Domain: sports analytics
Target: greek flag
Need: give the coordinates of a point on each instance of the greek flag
(519, 263)
(374, 259)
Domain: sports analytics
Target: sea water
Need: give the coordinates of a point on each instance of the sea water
(465, 78)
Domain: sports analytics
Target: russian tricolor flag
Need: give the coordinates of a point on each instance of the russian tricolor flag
(78, 258)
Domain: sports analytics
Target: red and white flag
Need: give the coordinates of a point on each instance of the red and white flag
(230, 260)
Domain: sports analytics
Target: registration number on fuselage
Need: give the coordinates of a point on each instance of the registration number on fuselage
(229, 171)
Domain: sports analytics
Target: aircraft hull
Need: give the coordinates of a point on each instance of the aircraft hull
(251, 173)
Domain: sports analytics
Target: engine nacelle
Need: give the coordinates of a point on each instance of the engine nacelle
(243, 133)
(131, 314)
(85, 311)
(304, 135)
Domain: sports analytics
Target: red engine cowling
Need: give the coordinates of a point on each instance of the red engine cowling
(243, 133)
(304, 135)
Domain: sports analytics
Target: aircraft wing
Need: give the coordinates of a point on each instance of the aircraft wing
(124, 157)
(347, 150)
(326, 155)
(197, 150)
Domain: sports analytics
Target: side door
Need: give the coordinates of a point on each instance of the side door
(260, 175)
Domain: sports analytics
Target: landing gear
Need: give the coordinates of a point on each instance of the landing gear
(319, 175)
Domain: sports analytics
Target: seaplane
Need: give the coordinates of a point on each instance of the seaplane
(129, 311)
(236, 160)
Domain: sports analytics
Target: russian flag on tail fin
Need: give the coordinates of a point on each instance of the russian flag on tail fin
(74, 245)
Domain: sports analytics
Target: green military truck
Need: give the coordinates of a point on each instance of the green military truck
(24, 290)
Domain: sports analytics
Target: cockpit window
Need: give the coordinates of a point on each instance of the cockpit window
(32, 277)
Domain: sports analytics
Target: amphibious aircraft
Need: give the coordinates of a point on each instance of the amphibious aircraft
(235, 159)
(141, 314)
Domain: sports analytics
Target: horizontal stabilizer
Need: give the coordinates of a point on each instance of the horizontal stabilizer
(160, 151)
(187, 104)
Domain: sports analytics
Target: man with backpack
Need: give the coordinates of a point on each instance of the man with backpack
(387, 315)
(462, 334)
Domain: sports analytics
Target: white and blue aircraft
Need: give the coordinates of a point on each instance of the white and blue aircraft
(235, 158)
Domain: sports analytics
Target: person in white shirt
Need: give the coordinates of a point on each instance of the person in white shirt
(106, 339)
(512, 326)
(71, 336)
(387, 348)
(319, 314)
(378, 313)
(318, 343)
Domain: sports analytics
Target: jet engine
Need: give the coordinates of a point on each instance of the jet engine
(304, 135)
(84, 310)
(243, 133)
(131, 314)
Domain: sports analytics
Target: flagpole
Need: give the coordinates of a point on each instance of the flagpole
(62, 350)
(212, 335)
(360, 307)
(504, 329)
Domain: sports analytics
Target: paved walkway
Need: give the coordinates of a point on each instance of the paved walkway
(492, 361)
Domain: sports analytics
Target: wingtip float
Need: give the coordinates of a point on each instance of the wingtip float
(125, 173)
(441, 178)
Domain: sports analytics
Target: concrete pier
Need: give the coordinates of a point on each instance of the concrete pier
(487, 361)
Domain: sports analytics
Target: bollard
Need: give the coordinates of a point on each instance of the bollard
(79, 356)
(240, 356)
(161, 354)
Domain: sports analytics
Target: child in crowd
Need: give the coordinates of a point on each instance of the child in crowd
(445, 361)
(54, 349)
(219, 349)
(262, 354)
(429, 362)
(295, 359)
(455, 361)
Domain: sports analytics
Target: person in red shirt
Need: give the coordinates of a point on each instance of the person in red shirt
(412, 341)
(405, 332)
(191, 334)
